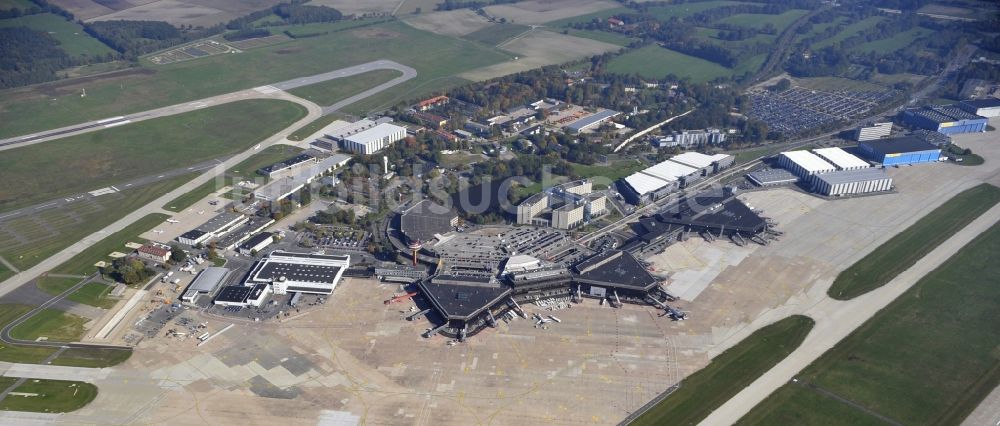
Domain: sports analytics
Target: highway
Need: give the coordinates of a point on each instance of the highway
(274, 91)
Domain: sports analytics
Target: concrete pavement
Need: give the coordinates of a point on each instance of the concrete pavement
(837, 319)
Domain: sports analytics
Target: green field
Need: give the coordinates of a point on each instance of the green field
(656, 62)
(70, 35)
(848, 31)
(316, 125)
(56, 326)
(603, 176)
(604, 36)
(434, 57)
(496, 34)
(582, 19)
(712, 35)
(83, 263)
(15, 353)
(894, 43)
(18, 4)
(702, 392)
(94, 294)
(755, 20)
(5, 273)
(684, 10)
(53, 396)
(318, 29)
(245, 170)
(92, 357)
(929, 357)
(75, 164)
(53, 230)
(907, 247)
(329, 92)
(55, 286)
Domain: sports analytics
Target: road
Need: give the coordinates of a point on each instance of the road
(273, 91)
(836, 319)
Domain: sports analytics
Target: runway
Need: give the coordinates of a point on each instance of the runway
(273, 91)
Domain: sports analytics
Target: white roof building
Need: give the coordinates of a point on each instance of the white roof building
(697, 159)
(807, 161)
(842, 159)
(669, 171)
(644, 184)
(374, 139)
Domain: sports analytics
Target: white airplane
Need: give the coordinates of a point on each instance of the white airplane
(173, 221)
(157, 231)
(256, 147)
(201, 212)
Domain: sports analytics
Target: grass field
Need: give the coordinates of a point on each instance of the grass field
(18, 4)
(57, 326)
(604, 36)
(684, 10)
(92, 357)
(907, 247)
(329, 92)
(603, 176)
(656, 62)
(848, 31)
(86, 162)
(55, 229)
(929, 357)
(245, 170)
(894, 43)
(318, 124)
(53, 396)
(434, 57)
(94, 294)
(71, 36)
(603, 14)
(496, 34)
(728, 373)
(15, 353)
(83, 263)
(317, 29)
(712, 35)
(5, 273)
(754, 20)
(55, 285)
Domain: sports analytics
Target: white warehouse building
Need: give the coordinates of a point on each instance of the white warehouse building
(843, 160)
(372, 140)
(858, 181)
(804, 164)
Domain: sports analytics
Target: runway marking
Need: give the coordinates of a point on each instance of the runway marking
(45, 205)
(117, 124)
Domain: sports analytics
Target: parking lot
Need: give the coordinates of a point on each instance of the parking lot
(337, 238)
(799, 109)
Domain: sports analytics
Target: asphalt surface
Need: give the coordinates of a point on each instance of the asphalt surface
(837, 319)
(263, 92)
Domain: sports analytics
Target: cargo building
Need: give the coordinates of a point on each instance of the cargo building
(857, 181)
(900, 151)
(947, 119)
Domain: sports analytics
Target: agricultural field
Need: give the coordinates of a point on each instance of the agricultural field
(81, 163)
(355, 7)
(602, 36)
(72, 39)
(927, 358)
(907, 247)
(455, 23)
(656, 62)
(83, 263)
(894, 43)
(712, 35)
(57, 326)
(496, 34)
(331, 91)
(754, 20)
(177, 12)
(728, 373)
(684, 10)
(246, 170)
(848, 31)
(538, 48)
(555, 13)
(435, 57)
(25, 241)
(15, 4)
(49, 396)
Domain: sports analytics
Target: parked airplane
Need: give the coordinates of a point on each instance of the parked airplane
(173, 221)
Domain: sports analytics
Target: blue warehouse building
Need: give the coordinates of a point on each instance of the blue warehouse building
(946, 119)
(900, 151)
